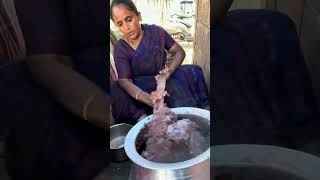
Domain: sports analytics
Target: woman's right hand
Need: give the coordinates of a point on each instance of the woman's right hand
(157, 96)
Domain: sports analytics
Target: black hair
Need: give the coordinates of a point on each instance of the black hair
(128, 3)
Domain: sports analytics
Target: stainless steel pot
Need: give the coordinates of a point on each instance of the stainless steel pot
(118, 133)
(197, 168)
(263, 162)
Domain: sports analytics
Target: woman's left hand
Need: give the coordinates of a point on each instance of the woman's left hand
(167, 71)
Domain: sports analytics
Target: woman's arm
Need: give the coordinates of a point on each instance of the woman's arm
(51, 35)
(220, 8)
(135, 92)
(178, 56)
(140, 95)
(76, 93)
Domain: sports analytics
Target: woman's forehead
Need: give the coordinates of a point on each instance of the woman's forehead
(120, 12)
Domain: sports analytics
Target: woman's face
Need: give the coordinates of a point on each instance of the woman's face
(127, 21)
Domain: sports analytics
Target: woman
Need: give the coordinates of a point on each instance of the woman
(140, 55)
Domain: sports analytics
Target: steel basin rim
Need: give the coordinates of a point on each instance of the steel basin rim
(139, 160)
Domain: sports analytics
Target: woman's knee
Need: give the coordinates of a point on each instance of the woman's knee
(192, 67)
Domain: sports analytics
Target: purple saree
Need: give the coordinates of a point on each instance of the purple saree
(186, 86)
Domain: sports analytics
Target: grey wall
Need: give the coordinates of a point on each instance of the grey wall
(248, 4)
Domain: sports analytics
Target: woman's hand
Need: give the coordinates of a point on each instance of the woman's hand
(157, 96)
(167, 72)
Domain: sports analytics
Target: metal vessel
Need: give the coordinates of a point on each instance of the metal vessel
(197, 168)
(118, 133)
(263, 162)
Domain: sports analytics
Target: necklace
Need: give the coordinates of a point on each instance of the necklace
(132, 44)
